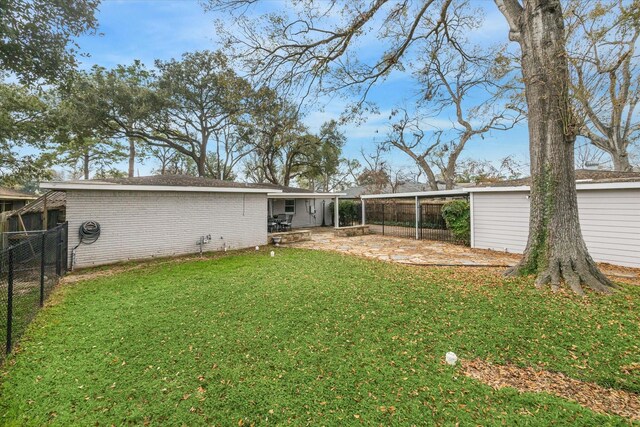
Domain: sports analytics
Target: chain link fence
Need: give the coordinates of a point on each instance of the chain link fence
(29, 269)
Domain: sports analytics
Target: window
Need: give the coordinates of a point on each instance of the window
(290, 206)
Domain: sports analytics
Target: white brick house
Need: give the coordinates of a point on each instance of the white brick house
(162, 216)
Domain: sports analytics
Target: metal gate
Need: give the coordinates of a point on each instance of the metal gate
(432, 225)
(398, 218)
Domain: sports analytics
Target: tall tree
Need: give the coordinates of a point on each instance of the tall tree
(37, 36)
(471, 92)
(120, 100)
(80, 140)
(323, 172)
(301, 51)
(602, 38)
(24, 122)
(203, 95)
(283, 148)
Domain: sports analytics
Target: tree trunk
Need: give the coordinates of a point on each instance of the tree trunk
(202, 165)
(85, 164)
(132, 157)
(621, 161)
(555, 248)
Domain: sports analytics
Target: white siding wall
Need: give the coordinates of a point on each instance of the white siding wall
(500, 221)
(610, 223)
(609, 219)
(139, 224)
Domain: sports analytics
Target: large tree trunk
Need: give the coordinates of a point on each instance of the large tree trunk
(132, 157)
(555, 249)
(620, 161)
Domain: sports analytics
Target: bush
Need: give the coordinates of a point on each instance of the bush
(348, 210)
(457, 215)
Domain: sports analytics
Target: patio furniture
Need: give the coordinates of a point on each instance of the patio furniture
(286, 223)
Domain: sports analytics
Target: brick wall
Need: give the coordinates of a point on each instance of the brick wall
(139, 224)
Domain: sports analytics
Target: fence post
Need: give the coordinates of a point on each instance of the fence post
(417, 218)
(42, 266)
(9, 300)
(363, 214)
(383, 219)
(58, 252)
(65, 253)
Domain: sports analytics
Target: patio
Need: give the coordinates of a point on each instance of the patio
(429, 253)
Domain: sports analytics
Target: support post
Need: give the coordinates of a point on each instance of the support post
(336, 213)
(363, 219)
(45, 213)
(59, 253)
(383, 205)
(42, 266)
(417, 218)
(9, 300)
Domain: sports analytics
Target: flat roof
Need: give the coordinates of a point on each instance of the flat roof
(432, 193)
(580, 186)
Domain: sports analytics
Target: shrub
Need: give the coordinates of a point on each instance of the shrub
(457, 215)
(348, 210)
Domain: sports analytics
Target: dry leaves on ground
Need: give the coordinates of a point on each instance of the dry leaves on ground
(589, 395)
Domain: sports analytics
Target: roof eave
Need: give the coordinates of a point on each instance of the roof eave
(439, 193)
(62, 186)
(283, 195)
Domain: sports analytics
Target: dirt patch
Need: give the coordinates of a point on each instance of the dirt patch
(592, 396)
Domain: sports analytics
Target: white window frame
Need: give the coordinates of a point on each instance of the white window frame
(294, 206)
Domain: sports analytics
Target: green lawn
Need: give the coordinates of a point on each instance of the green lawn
(310, 338)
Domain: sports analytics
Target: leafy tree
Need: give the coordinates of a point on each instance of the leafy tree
(80, 140)
(37, 36)
(313, 49)
(25, 125)
(323, 171)
(283, 148)
(203, 95)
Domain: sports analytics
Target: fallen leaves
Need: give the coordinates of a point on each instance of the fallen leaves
(590, 395)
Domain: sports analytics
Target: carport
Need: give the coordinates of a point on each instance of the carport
(414, 215)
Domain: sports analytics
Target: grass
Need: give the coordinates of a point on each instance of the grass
(310, 338)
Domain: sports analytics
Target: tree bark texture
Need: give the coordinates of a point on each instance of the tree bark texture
(555, 249)
(132, 157)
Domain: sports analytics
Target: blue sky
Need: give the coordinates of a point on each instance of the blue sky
(164, 29)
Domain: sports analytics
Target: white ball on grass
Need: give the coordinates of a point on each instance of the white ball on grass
(451, 358)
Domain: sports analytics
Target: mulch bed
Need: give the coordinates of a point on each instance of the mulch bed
(592, 396)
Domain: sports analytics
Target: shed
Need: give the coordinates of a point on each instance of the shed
(159, 216)
(608, 205)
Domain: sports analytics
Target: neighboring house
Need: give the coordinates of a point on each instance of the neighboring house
(168, 215)
(11, 200)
